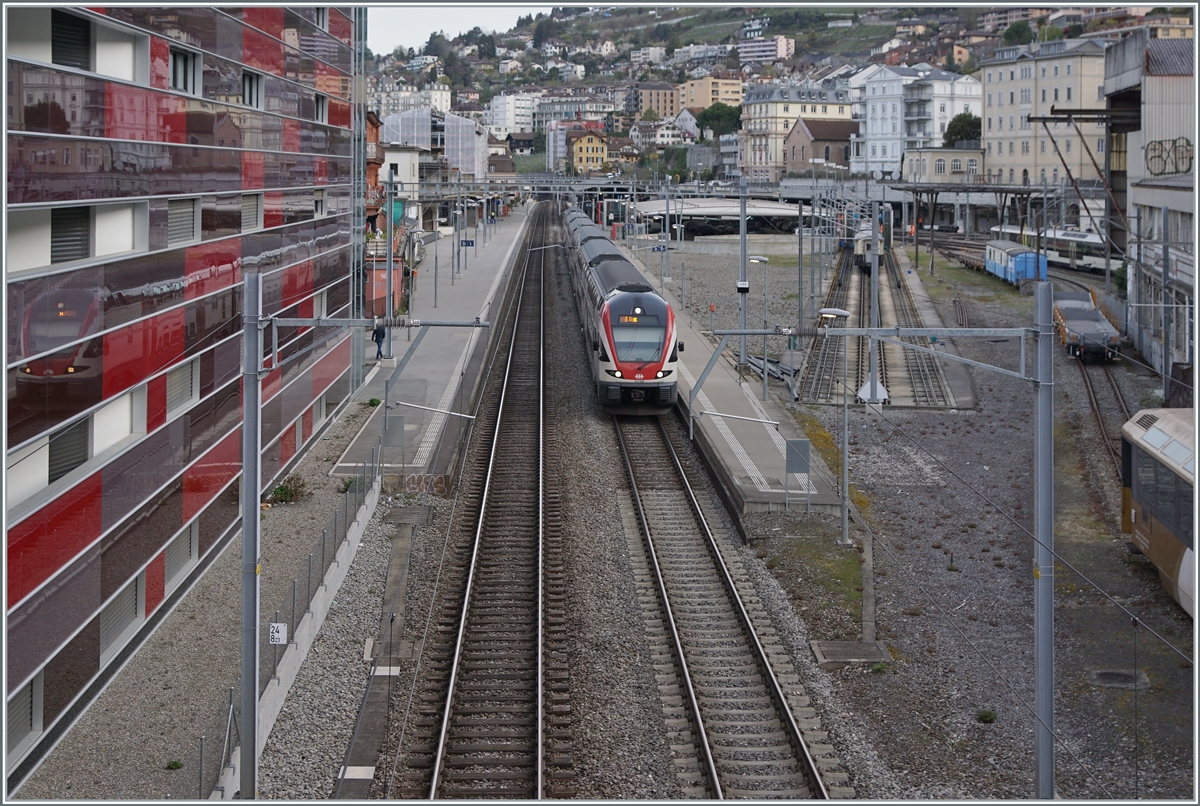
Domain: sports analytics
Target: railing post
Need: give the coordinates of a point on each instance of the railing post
(200, 794)
(295, 583)
(275, 661)
(324, 535)
(308, 591)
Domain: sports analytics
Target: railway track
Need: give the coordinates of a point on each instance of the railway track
(492, 720)
(738, 709)
(821, 375)
(924, 372)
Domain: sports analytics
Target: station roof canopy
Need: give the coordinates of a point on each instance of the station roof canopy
(721, 208)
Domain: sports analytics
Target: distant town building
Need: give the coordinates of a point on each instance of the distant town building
(826, 140)
(704, 92)
(1025, 81)
(648, 55)
(660, 96)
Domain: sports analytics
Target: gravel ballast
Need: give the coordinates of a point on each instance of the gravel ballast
(175, 688)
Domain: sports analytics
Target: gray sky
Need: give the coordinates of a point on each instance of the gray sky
(411, 25)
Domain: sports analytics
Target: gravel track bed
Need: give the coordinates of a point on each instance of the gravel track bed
(911, 731)
(176, 687)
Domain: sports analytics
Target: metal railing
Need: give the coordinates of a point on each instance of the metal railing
(203, 764)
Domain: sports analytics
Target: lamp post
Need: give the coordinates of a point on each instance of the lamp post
(828, 315)
(438, 232)
(682, 267)
(743, 285)
(764, 261)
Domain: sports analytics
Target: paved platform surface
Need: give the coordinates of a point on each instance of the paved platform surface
(445, 365)
(748, 456)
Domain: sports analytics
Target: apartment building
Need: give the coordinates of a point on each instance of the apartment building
(704, 92)
(1030, 80)
(1000, 18)
(647, 55)
(766, 49)
(156, 155)
(511, 113)
(570, 107)
(907, 107)
(587, 151)
(660, 96)
(769, 111)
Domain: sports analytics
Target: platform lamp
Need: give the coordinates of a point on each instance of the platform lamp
(828, 315)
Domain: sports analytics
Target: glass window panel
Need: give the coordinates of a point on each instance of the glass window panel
(1177, 452)
(1165, 507)
(1144, 479)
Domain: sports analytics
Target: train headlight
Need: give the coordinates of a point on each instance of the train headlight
(27, 370)
(659, 375)
(70, 369)
(616, 373)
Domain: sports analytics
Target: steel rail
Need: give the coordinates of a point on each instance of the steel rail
(694, 704)
(440, 751)
(1113, 450)
(781, 704)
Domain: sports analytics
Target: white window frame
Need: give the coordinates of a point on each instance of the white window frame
(193, 367)
(258, 221)
(322, 14)
(117, 641)
(22, 745)
(252, 89)
(189, 535)
(321, 108)
(189, 74)
(195, 200)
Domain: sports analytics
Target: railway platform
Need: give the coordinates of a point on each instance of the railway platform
(442, 373)
(958, 377)
(746, 455)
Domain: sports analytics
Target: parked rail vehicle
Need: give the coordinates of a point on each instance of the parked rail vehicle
(1082, 328)
(863, 238)
(1065, 247)
(1012, 262)
(67, 369)
(1158, 470)
(630, 328)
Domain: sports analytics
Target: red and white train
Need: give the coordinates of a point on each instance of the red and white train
(629, 327)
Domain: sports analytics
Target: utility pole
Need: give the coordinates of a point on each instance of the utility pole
(250, 492)
(743, 285)
(389, 306)
(1166, 308)
(1043, 566)
(873, 345)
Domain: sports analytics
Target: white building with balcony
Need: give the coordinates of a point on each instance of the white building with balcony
(510, 113)
(896, 118)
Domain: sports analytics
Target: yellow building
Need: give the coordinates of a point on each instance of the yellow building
(589, 151)
(704, 92)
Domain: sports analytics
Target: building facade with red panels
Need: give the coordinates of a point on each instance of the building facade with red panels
(155, 155)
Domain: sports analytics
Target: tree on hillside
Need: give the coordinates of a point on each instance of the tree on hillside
(721, 118)
(732, 61)
(544, 31)
(1049, 33)
(437, 45)
(523, 22)
(650, 115)
(487, 47)
(963, 126)
(662, 32)
(1019, 33)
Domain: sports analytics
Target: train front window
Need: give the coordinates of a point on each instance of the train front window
(640, 343)
(57, 319)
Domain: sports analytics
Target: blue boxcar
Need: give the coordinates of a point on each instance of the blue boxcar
(1013, 262)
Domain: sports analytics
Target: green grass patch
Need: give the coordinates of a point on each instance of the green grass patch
(531, 164)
